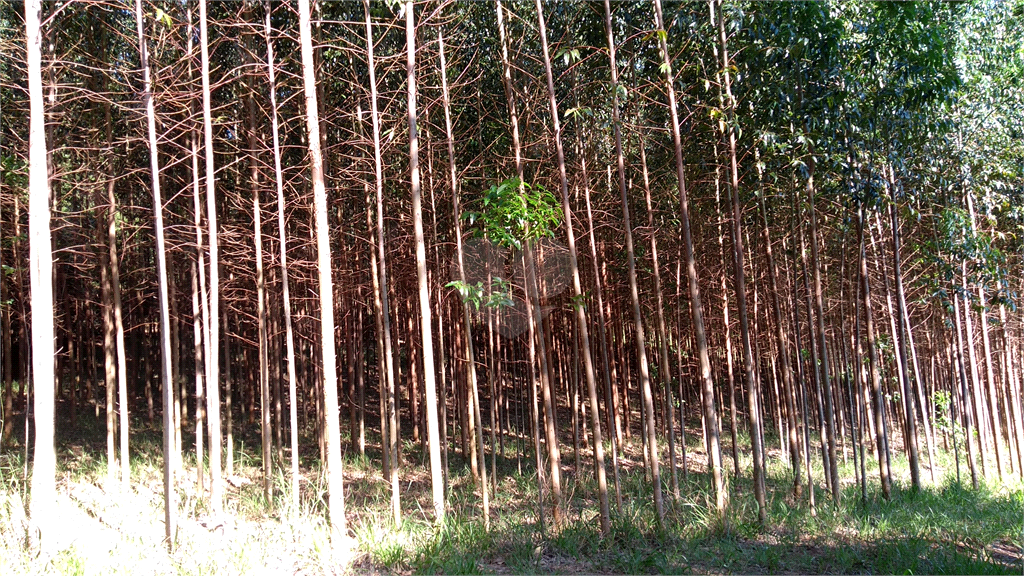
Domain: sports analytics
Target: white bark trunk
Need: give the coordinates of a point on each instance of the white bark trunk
(335, 497)
(42, 509)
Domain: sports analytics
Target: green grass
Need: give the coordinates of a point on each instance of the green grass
(945, 528)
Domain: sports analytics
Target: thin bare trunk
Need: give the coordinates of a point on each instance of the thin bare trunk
(466, 322)
(581, 317)
(335, 496)
(700, 337)
(741, 285)
(641, 346)
(783, 348)
(993, 396)
(213, 340)
(197, 356)
(165, 340)
(286, 294)
(663, 357)
(42, 506)
(876, 386)
(533, 319)
(429, 376)
(901, 332)
(391, 450)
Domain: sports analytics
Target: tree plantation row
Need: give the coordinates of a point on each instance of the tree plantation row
(540, 231)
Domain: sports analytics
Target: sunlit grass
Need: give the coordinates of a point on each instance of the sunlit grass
(945, 528)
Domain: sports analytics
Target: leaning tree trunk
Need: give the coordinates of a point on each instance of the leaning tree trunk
(581, 317)
(700, 337)
(335, 496)
(161, 261)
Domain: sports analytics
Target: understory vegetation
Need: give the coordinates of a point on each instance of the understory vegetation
(946, 528)
(510, 286)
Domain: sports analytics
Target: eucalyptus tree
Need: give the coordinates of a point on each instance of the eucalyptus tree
(429, 376)
(381, 277)
(696, 310)
(581, 317)
(510, 231)
(213, 341)
(740, 282)
(335, 495)
(170, 502)
(42, 506)
(285, 286)
(641, 346)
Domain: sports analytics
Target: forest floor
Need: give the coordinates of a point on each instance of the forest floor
(947, 527)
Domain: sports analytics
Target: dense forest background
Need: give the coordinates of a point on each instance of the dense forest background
(578, 260)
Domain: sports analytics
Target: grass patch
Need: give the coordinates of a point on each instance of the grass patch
(945, 528)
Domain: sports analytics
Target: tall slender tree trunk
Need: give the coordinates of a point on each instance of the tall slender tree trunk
(201, 330)
(42, 506)
(213, 340)
(466, 321)
(110, 353)
(641, 346)
(993, 396)
(285, 289)
(534, 319)
(161, 260)
(429, 376)
(783, 348)
(581, 317)
(602, 318)
(547, 395)
(533, 383)
(197, 356)
(700, 337)
(876, 386)
(741, 284)
(663, 357)
(122, 363)
(978, 400)
(335, 496)
(819, 307)
(391, 451)
(261, 313)
(908, 396)
(964, 404)
(110, 369)
(261, 290)
(1011, 375)
(726, 323)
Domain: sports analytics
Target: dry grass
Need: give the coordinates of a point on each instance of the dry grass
(943, 529)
